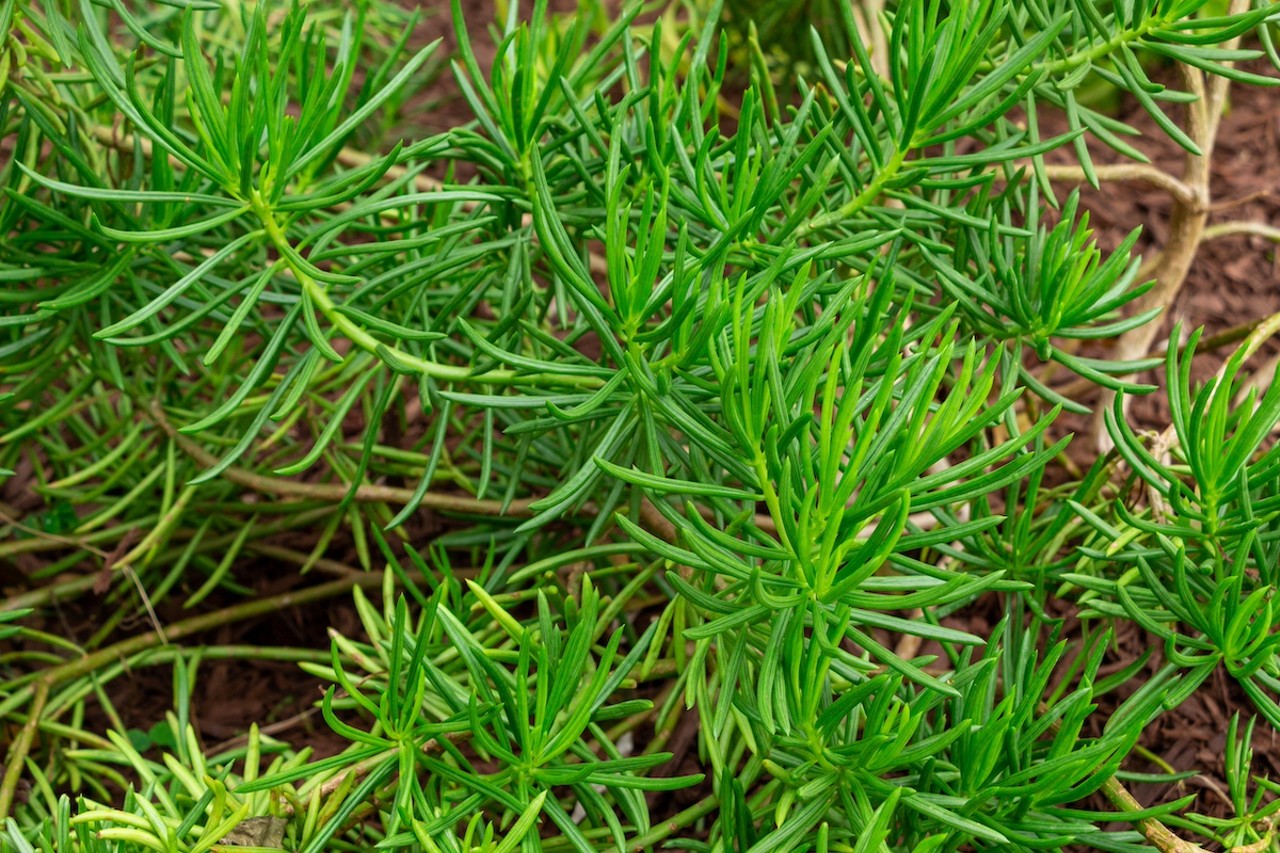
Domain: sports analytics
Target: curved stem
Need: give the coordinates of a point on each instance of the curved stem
(356, 334)
(861, 200)
(698, 810)
(1256, 229)
(1129, 172)
(15, 761)
(336, 492)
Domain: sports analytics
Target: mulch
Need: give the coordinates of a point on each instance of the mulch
(1234, 280)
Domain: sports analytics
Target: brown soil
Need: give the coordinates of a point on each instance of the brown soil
(1232, 281)
(1233, 278)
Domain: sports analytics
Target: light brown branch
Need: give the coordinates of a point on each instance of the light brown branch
(1257, 229)
(1155, 831)
(16, 759)
(1127, 172)
(335, 492)
(1187, 220)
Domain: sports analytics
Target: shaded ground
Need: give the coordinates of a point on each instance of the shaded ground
(1234, 280)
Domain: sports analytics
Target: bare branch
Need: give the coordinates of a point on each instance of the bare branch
(1129, 172)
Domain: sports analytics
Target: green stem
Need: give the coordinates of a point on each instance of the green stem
(1075, 60)
(48, 594)
(453, 373)
(15, 762)
(17, 758)
(891, 168)
(869, 194)
(337, 492)
(698, 810)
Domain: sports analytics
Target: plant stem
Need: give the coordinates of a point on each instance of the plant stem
(869, 194)
(1257, 229)
(15, 762)
(1134, 172)
(1155, 831)
(357, 335)
(336, 492)
(698, 810)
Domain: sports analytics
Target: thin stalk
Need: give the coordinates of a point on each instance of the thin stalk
(38, 695)
(663, 830)
(336, 492)
(869, 194)
(16, 761)
(1143, 173)
(1154, 831)
(356, 334)
(1256, 229)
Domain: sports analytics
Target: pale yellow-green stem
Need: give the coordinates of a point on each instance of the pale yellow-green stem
(1187, 219)
(319, 295)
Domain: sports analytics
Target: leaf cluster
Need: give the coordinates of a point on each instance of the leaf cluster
(728, 416)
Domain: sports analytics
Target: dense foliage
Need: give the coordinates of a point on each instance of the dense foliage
(641, 400)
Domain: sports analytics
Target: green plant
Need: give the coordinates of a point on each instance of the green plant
(1202, 561)
(620, 421)
(1252, 824)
